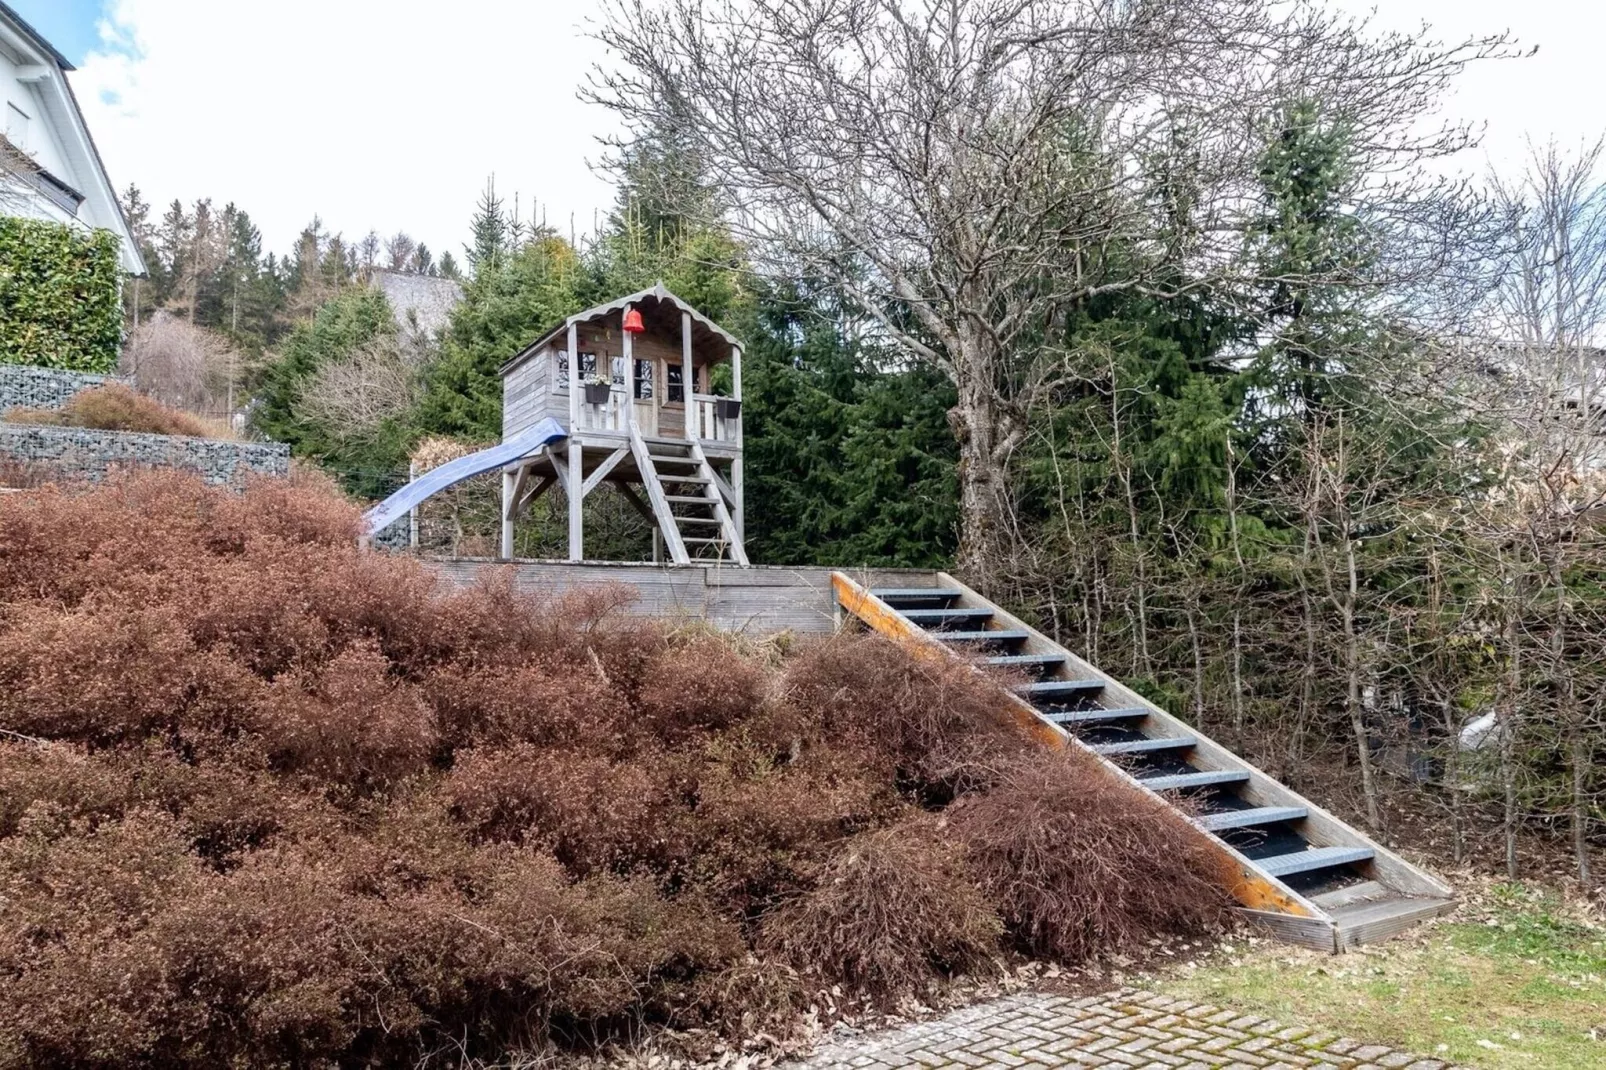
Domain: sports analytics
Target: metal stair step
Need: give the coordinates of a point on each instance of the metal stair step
(1144, 746)
(924, 617)
(1180, 781)
(1053, 688)
(1252, 818)
(1026, 661)
(1086, 717)
(1352, 894)
(996, 635)
(915, 594)
(1318, 858)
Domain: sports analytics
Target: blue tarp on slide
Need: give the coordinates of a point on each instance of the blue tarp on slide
(436, 480)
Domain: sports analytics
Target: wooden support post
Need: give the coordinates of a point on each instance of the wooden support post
(576, 492)
(628, 355)
(412, 514)
(574, 379)
(510, 501)
(688, 376)
(736, 495)
(737, 512)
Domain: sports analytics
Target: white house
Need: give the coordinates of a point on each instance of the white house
(49, 167)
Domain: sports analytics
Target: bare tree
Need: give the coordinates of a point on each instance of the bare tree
(356, 395)
(970, 170)
(182, 365)
(400, 250)
(1551, 315)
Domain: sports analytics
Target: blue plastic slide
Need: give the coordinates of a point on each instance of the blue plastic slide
(436, 480)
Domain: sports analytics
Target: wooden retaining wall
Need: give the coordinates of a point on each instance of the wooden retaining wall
(757, 600)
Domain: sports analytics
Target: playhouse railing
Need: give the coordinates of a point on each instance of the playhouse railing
(612, 415)
(704, 421)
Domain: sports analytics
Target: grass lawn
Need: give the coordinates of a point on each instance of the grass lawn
(1512, 979)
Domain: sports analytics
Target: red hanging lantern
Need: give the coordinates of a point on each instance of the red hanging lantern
(633, 324)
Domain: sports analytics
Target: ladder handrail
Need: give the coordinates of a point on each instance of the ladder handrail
(727, 524)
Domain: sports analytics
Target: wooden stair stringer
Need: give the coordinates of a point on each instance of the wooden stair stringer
(711, 490)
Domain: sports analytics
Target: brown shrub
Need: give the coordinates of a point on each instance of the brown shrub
(756, 830)
(349, 722)
(526, 704)
(700, 684)
(292, 804)
(590, 812)
(889, 913)
(114, 407)
(1080, 865)
(54, 678)
(935, 722)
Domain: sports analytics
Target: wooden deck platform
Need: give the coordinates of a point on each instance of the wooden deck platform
(758, 600)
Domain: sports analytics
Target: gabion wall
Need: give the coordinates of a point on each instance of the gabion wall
(45, 388)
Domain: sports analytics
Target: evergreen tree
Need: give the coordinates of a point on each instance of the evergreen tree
(509, 301)
(355, 317)
(492, 233)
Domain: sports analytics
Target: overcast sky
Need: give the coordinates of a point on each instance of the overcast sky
(390, 114)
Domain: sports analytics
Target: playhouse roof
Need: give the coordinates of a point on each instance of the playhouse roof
(703, 328)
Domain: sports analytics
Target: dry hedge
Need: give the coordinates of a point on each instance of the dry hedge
(889, 912)
(272, 801)
(115, 407)
(1078, 864)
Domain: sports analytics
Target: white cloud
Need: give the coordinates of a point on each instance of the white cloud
(390, 115)
(371, 114)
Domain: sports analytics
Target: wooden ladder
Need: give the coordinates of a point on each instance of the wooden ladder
(688, 500)
(1294, 868)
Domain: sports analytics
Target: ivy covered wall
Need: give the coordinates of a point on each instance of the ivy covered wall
(59, 296)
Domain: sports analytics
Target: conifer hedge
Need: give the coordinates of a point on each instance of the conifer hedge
(59, 296)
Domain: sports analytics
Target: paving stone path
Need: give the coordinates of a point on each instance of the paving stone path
(1128, 1028)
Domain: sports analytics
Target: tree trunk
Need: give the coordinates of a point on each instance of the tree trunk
(983, 512)
(988, 433)
(1353, 669)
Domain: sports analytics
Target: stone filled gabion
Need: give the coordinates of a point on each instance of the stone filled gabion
(24, 386)
(70, 453)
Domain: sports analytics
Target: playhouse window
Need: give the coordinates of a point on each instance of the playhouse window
(588, 367)
(674, 384)
(643, 379)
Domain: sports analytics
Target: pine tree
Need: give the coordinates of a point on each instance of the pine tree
(492, 233)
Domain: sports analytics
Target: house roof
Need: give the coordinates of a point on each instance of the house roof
(658, 295)
(64, 109)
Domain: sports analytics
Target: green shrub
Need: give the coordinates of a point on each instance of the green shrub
(59, 296)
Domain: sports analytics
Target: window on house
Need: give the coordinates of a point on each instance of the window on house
(644, 379)
(617, 368)
(588, 367)
(674, 384)
(17, 126)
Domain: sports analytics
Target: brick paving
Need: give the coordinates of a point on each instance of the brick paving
(1128, 1028)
